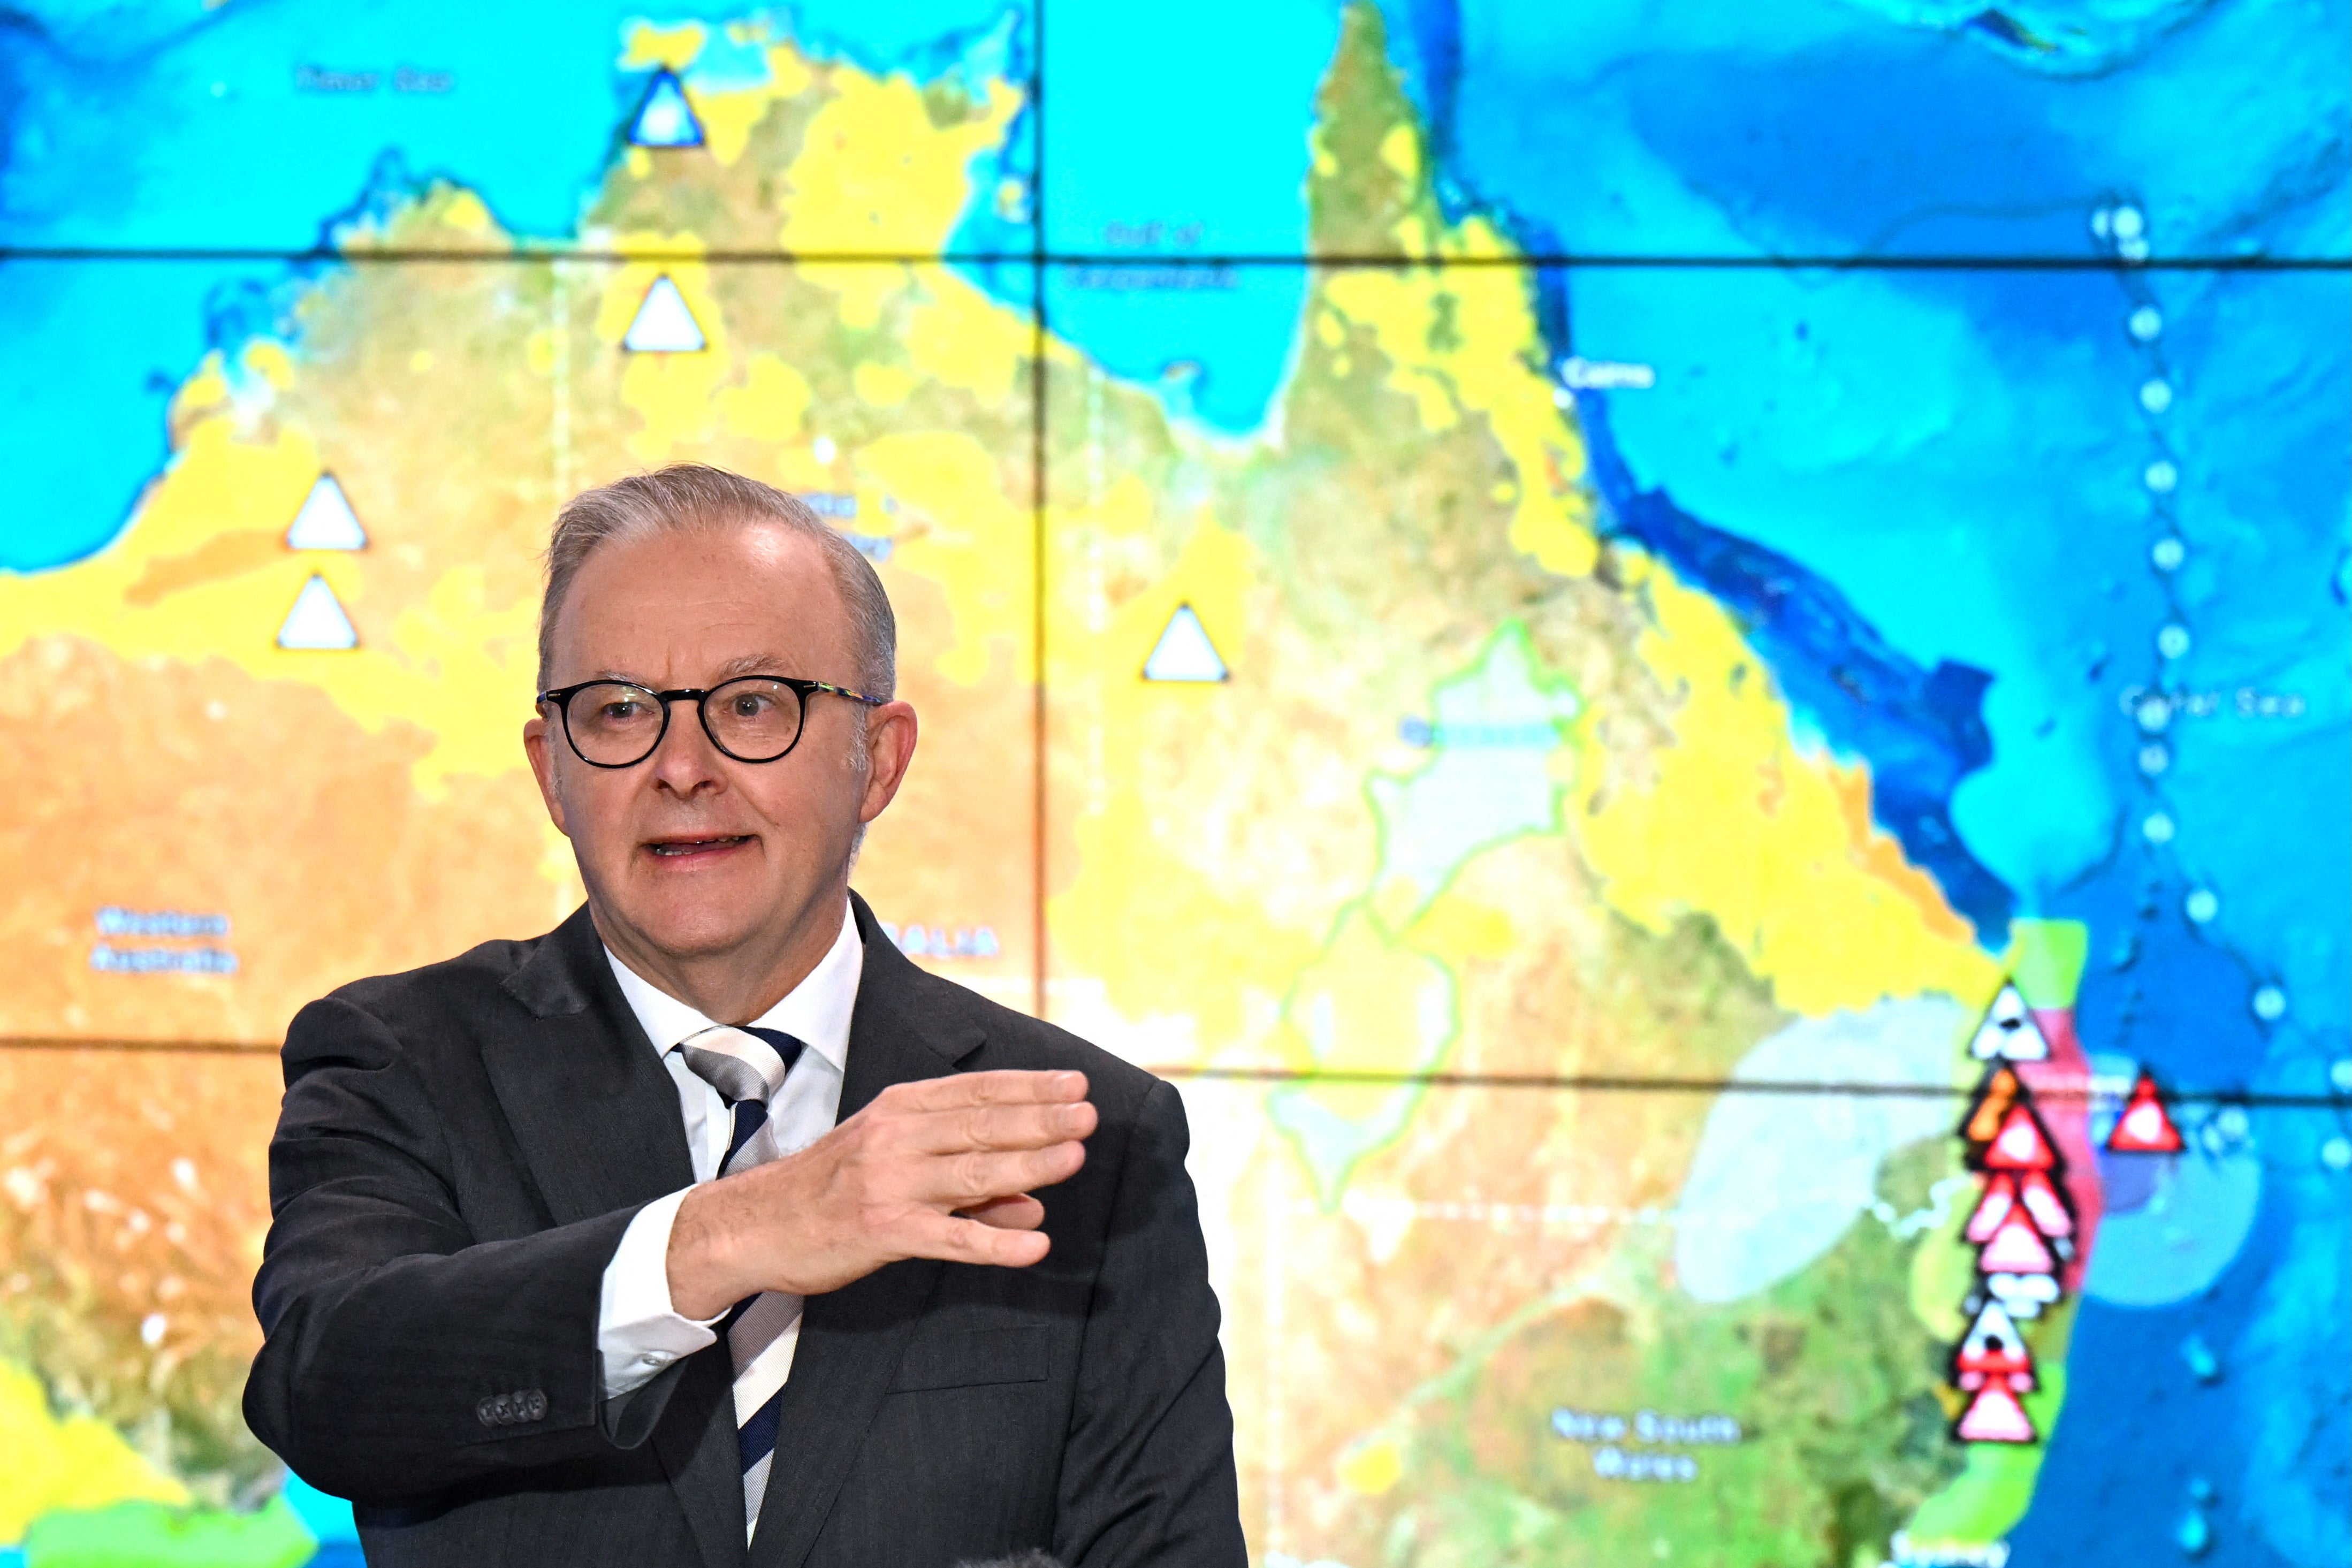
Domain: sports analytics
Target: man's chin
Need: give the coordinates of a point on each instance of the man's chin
(719, 911)
(688, 936)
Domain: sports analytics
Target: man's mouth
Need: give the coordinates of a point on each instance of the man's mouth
(680, 848)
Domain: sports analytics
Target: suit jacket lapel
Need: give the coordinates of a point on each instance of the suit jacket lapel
(595, 1111)
(596, 1115)
(852, 1338)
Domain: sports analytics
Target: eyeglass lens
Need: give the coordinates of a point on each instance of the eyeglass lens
(752, 720)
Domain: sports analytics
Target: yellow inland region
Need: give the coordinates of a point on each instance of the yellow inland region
(466, 212)
(772, 405)
(1136, 907)
(875, 176)
(967, 536)
(1739, 824)
(1128, 944)
(1371, 1003)
(1455, 928)
(1214, 572)
(961, 338)
(674, 394)
(1489, 368)
(203, 569)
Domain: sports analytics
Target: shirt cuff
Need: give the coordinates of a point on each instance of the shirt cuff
(637, 1331)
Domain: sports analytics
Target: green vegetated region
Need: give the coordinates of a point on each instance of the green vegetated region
(153, 1535)
(1803, 1426)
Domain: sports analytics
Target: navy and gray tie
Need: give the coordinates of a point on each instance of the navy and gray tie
(746, 1066)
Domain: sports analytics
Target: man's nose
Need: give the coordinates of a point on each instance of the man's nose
(686, 762)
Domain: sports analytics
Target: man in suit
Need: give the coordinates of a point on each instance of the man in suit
(707, 1229)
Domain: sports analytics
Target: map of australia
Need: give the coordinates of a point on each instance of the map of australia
(1629, 1121)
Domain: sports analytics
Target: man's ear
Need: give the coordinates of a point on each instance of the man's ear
(535, 747)
(889, 749)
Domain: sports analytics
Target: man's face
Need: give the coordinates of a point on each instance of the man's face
(690, 855)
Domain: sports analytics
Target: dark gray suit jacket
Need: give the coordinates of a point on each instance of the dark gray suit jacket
(458, 1152)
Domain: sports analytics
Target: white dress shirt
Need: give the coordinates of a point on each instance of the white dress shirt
(638, 1331)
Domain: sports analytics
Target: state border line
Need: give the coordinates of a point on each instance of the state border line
(1189, 261)
(1605, 1083)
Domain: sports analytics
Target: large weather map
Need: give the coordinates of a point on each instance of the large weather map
(1688, 663)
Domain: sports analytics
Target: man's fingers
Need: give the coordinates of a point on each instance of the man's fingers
(994, 1127)
(966, 1180)
(1019, 1212)
(969, 1241)
(1005, 1087)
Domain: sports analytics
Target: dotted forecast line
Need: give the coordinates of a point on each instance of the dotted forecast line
(2155, 706)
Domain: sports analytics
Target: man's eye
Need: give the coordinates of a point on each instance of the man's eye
(620, 711)
(751, 704)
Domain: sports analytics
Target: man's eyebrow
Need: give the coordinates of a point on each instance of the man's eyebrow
(750, 664)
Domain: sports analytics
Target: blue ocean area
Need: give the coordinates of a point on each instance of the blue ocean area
(1890, 128)
(1166, 143)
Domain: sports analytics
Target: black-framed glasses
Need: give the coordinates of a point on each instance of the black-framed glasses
(752, 719)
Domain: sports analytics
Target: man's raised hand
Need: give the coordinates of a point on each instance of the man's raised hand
(937, 1168)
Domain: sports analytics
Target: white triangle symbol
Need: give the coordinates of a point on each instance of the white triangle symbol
(326, 520)
(666, 119)
(1992, 1321)
(1184, 651)
(317, 622)
(2008, 1031)
(663, 325)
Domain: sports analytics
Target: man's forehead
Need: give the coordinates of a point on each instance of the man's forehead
(748, 600)
(752, 573)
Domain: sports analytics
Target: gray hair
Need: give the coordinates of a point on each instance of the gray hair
(692, 496)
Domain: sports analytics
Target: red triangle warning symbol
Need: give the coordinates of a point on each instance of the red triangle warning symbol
(2016, 1248)
(2145, 1127)
(1993, 1352)
(2000, 1197)
(2045, 1205)
(1991, 1101)
(2022, 1144)
(1994, 1415)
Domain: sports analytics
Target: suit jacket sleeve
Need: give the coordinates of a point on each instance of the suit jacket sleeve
(1148, 1469)
(388, 1324)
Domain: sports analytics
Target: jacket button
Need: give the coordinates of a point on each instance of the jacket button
(534, 1406)
(486, 1412)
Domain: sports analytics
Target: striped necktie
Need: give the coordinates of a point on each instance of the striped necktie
(746, 1066)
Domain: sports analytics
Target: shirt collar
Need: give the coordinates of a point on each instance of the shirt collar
(816, 1012)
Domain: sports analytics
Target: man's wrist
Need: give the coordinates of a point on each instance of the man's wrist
(699, 1286)
(638, 1327)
